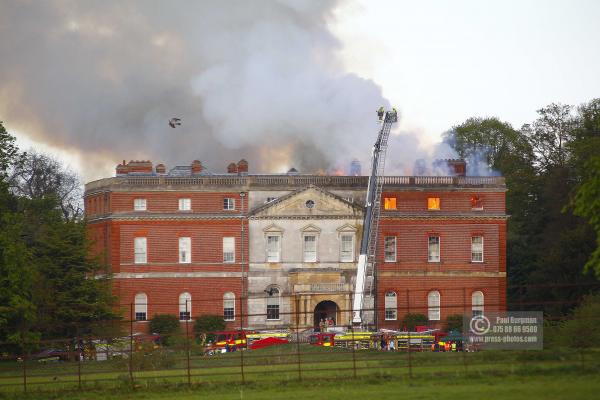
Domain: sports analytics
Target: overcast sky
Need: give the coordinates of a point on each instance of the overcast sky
(439, 62)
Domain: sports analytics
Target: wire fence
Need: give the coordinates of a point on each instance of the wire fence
(131, 355)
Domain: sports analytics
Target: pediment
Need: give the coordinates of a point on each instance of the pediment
(310, 228)
(311, 201)
(273, 229)
(347, 228)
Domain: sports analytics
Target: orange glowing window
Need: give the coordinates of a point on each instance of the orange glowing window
(389, 203)
(433, 203)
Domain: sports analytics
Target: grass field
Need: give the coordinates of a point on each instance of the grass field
(292, 372)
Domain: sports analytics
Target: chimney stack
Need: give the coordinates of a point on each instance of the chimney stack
(242, 167)
(135, 166)
(161, 169)
(232, 168)
(196, 167)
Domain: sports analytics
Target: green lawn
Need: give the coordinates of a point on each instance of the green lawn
(323, 373)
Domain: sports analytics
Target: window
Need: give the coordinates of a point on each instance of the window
(389, 247)
(347, 248)
(228, 249)
(476, 202)
(185, 204)
(433, 252)
(310, 248)
(185, 250)
(229, 306)
(273, 304)
(477, 249)
(477, 303)
(139, 204)
(389, 203)
(228, 203)
(141, 307)
(433, 203)
(433, 306)
(185, 306)
(273, 249)
(139, 244)
(390, 306)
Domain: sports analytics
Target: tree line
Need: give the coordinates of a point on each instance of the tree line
(552, 172)
(45, 263)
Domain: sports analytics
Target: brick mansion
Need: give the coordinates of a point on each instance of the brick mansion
(280, 250)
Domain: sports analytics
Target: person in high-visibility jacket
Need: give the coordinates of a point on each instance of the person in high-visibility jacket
(380, 113)
(453, 346)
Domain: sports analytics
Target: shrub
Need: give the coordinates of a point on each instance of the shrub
(454, 322)
(414, 319)
(206, 324)
(165, 325)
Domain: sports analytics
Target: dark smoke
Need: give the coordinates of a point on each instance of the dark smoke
(253, 79)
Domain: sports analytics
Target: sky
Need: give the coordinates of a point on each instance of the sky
(281, 82)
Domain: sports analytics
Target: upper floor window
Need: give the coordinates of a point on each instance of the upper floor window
(433, 250)
(185, 204)
(140, 250)
(477, 249)
(273, 248)
(389, 248)
(310, 248)
(347, 248)
(185, 250)
(141, 307)
(185, 306)
(476, 202)
(433, 306)
(389, 203)
(272, 303)
(433, 203)
(228, 249)
(228, 203)
(139, 204)
(391, 306)
(229, 306)
(477, 303)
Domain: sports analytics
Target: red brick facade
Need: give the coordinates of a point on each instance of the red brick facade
(114, 225)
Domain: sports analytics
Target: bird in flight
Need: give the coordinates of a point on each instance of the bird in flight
(173, 122)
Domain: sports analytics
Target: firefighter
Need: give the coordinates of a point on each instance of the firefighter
(454, 346)
(380, 113)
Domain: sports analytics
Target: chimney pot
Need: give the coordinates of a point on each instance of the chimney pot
(196, 167)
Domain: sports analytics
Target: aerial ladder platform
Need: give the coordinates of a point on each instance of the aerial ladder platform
(365, 274)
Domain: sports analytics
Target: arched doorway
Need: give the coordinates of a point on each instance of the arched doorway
(324, 310)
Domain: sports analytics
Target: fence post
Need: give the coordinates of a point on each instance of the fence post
(187, 341)
(79, 355)
(298, 339)
(131, 343)
(408, 338)
(241, 349)
(464, 352)
(24, 370)
(353, 350)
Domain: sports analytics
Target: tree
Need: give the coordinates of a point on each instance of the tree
(582, 330)
(205, 324)
(413, 320)
(9, 152)
(587, 205)
(165, 325)
(454, 322)
(39, 175)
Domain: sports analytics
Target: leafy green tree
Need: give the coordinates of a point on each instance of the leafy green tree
(587, 205)
(582, 330)
(454, 322)
(166, 325)
(412, 320)
(205, 324)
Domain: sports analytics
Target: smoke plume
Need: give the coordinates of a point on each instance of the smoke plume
(254, 79)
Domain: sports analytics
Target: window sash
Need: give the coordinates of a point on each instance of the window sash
(391, 314)
(185, 204)
(272, 311)
(347, 248)
(185, 247)
(140, 250)
(228, 203)
(477, 249)
(228, 249)
(310, 248)
(391, 306)
(433, 306)
(140, 316)
(389, 246)
(433, 251)
(273, 249)
(139, 204)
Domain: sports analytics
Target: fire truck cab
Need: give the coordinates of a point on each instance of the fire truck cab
(322, 339)
(226, 341)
